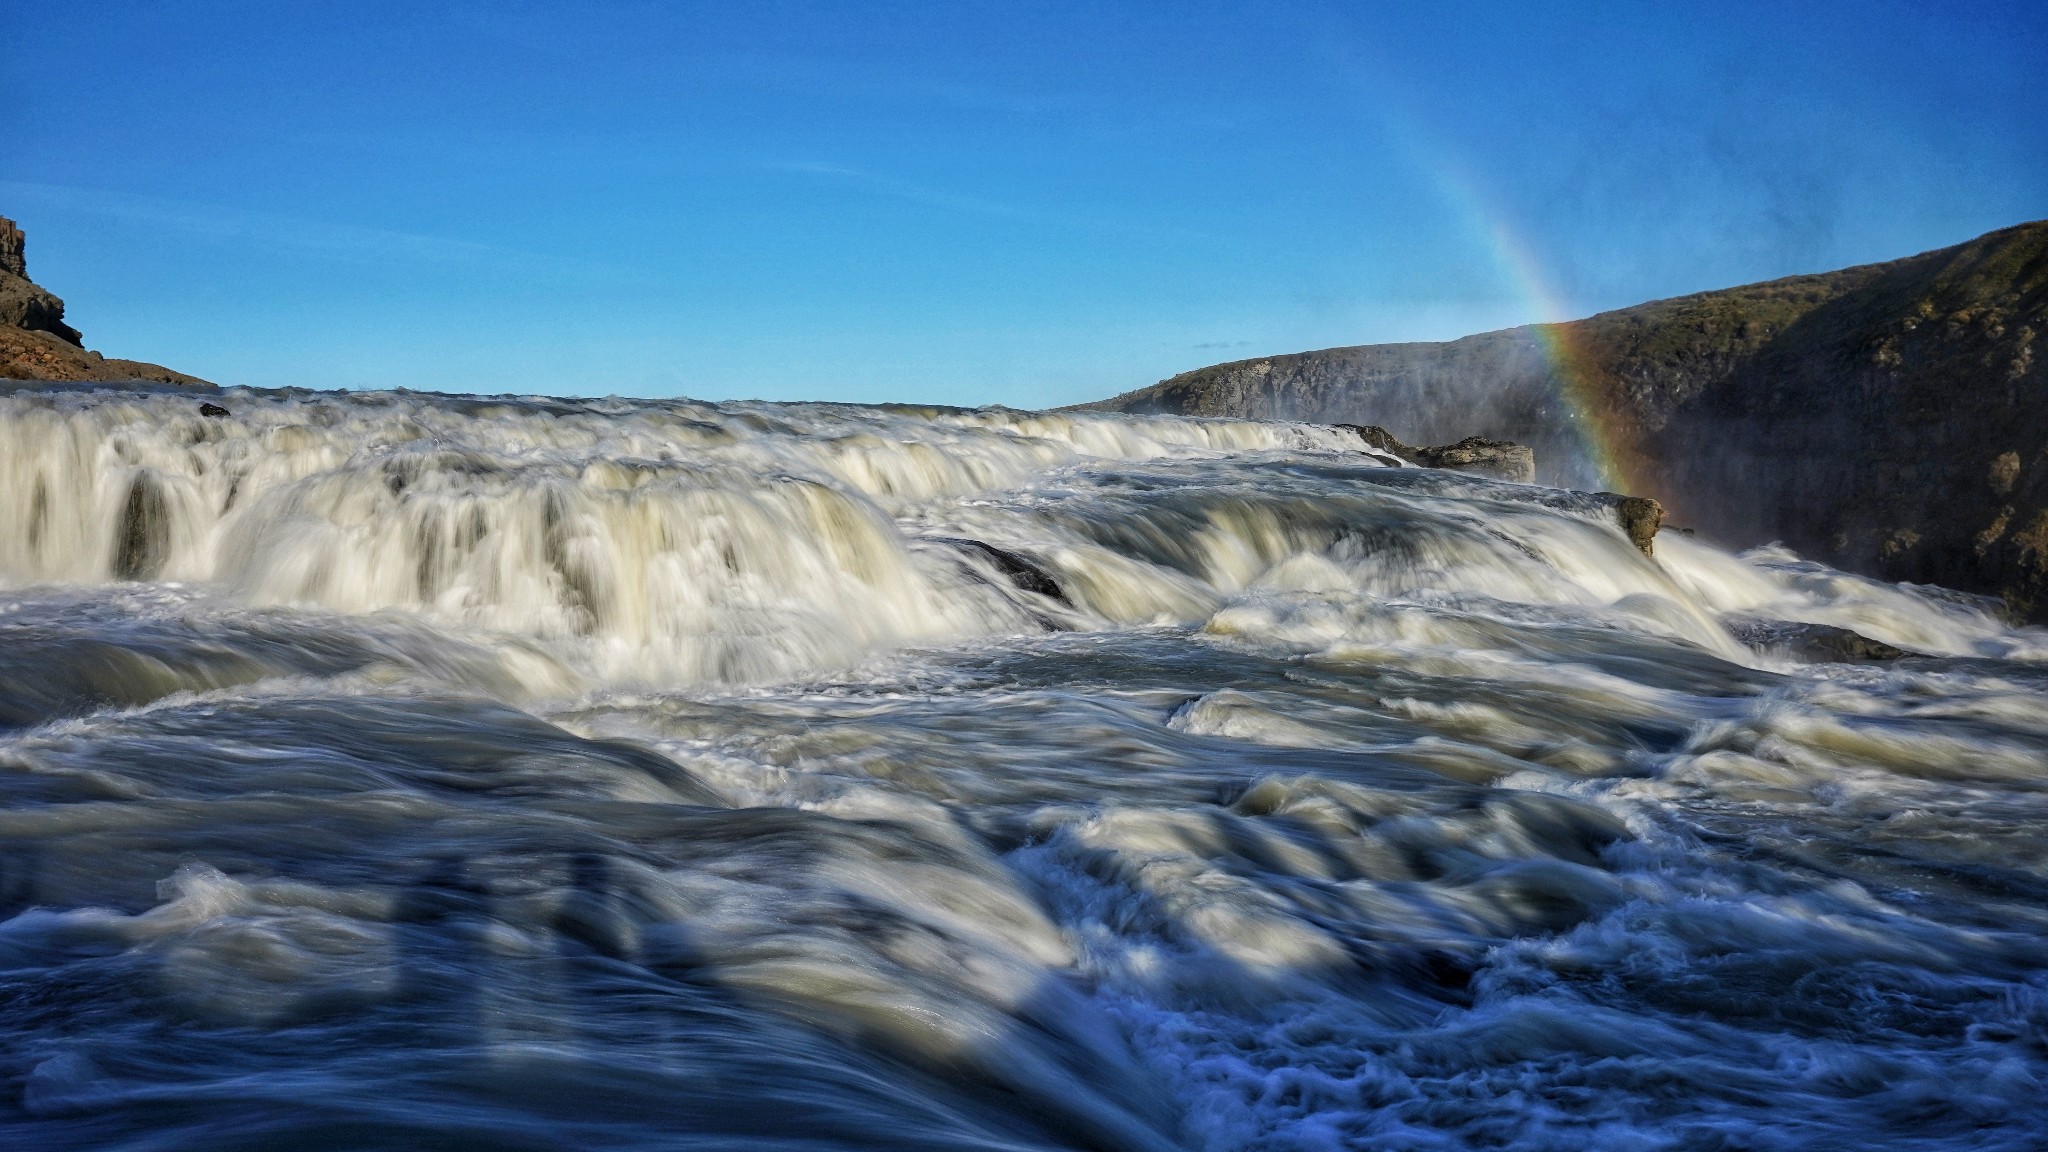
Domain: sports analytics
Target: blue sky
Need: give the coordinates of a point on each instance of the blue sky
(1021, 203)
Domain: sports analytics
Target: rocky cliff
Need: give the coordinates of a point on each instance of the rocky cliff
(36, 343)
(1890, 418)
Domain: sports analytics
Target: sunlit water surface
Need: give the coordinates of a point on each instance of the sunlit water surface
(392, 771)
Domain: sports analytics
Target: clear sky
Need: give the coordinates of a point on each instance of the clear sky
(1020, 203)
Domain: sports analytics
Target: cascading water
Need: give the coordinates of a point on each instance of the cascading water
(401, 771)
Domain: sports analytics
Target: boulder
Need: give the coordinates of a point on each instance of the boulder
(1640, 517)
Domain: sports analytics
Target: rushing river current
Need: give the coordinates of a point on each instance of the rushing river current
(416, 772)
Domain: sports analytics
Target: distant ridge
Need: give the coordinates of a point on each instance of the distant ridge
(1889, 418)
(36, 343)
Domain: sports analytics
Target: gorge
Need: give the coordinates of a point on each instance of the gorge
(1891, 418)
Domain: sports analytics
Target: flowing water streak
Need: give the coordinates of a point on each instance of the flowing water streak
(388, 770)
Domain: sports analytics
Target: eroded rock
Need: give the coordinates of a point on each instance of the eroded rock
(1500, 459)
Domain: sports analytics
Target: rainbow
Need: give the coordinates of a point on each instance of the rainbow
(1573, 379)
(1574, 382)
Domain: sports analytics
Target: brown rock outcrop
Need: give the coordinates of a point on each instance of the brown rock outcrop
(13, 249)
(1640, 517)
(23, 303)
(36, 343)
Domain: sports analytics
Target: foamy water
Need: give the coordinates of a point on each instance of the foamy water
(397, 771)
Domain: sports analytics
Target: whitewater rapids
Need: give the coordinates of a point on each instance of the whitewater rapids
(417, 772)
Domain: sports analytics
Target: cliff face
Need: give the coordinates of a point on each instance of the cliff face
(36, 343)
(1891, 418)
(23, 304)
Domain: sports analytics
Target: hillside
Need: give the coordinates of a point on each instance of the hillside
(36, 343)
(1890, 418)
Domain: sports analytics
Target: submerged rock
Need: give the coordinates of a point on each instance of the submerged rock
(1378, 437)
(1020, 572)
(142, 537)
(213, 410)
(1819, 643)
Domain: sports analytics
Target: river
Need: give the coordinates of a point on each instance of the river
(392, 770)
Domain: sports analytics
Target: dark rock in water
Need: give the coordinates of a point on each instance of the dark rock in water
(1499, 459)
(1820, 643)
(1018, 570)
(1448, 970)
(142, 541)
(213, 410)
(1640, 517)
(1378, 437)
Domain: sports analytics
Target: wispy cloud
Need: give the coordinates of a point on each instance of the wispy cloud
(878, 184)
(890, 186)
(286, 233)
